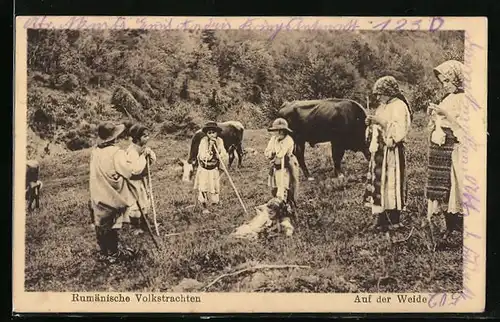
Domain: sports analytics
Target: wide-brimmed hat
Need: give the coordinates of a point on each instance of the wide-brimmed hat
(107, 131)
(280, 124)
(211, 126)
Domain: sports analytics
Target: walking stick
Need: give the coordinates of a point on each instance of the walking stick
(231, 181)
(282, 176)
(152, 198)
(143, 215)
(150, 231)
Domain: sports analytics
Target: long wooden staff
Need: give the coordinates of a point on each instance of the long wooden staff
(282, 176)
(143, 215)
(152, 198)
(230, 180)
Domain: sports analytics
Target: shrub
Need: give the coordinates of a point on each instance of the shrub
(181, 120)
(125, 102)
(82, 137)
(66, 82)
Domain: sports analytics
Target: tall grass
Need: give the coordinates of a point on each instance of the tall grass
(331, 237)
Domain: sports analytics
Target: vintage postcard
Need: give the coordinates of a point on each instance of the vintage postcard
(250, 164)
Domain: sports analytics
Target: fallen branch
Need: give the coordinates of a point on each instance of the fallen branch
(186, 232)
(253, 269)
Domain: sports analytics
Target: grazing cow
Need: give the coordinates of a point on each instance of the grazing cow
(33, 184)
(232, 135)
(338, 121)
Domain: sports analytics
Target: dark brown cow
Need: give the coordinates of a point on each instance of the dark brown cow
(232, 135)
(338, 121)
(33, 184)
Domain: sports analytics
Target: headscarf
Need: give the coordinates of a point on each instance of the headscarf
(388, 86)
(452, 70)
(136, 132)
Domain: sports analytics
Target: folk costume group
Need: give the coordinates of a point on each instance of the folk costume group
(119, 193)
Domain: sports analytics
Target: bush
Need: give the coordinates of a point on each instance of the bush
(66, 82)
(181, 120)
(251, 115)
(225, 75)
(82, 137)
(125, 102)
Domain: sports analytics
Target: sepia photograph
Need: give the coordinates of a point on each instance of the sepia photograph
(226, 160)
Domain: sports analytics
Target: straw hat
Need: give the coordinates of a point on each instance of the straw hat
(108, 131)
(280, 124)
(211, 126)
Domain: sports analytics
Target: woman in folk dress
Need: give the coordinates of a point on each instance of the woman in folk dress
(211, 153)
(137, 154)
(387, 189)
(444, 174)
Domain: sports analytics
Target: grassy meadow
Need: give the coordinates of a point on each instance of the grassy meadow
(332, 234)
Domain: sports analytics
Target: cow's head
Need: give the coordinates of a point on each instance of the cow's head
(187, 170)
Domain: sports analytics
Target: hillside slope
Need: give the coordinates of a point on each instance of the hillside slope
(174, 81)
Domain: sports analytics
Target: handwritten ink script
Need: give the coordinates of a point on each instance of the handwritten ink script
(471, 193)
(254, 24)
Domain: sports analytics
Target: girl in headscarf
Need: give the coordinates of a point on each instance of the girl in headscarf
(387, 129)
(211, 153)
(137, 155)
(444, 176)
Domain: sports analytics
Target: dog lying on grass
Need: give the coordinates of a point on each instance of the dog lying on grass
(274, 211)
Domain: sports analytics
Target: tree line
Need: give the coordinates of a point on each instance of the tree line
(174, 80)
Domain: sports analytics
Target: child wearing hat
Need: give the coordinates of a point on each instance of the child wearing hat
(211, 152)
(137, 156)
(280, 152)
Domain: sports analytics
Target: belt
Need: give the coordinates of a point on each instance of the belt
(209, 166)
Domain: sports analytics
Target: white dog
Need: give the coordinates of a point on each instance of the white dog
(267, 214)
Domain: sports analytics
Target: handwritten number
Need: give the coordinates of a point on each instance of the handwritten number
(443, 300)
(382, 25)
(400, 24)
(417, 23)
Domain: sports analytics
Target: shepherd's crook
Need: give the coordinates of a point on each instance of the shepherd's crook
(231, 181)
(152, 199)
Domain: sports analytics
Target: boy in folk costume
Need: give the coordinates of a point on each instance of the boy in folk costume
(136, 157)
(211, 153)
(110, 192)
(283, 175)
(444, 173)
(386, 190)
